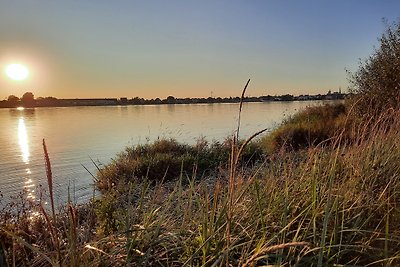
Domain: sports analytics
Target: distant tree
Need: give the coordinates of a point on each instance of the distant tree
(13, 99)
(135, 101)
(287, 97)
(28, 99)
(171, 99)
(46, 101)
(377, 81)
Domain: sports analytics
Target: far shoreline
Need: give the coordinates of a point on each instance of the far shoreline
(123, 101)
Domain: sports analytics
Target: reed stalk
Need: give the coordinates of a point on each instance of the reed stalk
(49, 176)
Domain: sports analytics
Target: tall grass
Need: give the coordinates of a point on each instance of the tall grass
(316, 208)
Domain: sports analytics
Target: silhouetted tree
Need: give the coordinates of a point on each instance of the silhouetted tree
(28, 99)
(13, 99)
(287, 97)
(171, 99)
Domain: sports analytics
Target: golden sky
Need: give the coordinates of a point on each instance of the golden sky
(186, 48)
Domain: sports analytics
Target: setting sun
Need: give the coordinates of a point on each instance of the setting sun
(17, 72)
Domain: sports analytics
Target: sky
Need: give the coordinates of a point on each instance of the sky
(186, 48)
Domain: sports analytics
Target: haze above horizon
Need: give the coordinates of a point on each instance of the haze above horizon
(186, 48)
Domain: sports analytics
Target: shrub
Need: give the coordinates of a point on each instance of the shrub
(310, 127)
(167, 159)
(377, 81)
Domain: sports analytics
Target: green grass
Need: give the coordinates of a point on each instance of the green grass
(310, 127)
(165, 160)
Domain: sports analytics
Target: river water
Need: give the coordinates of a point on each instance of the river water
(77, 136)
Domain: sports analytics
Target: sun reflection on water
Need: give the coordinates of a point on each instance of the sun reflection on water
(23, 141)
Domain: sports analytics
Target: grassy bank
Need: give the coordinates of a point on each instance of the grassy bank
(328, 202)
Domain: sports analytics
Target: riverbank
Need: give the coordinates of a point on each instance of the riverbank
(171, 204)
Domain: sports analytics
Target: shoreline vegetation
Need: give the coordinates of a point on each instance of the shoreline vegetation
(28, 100)
(322, 189)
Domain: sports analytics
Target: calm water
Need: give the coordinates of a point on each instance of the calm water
(75, 135)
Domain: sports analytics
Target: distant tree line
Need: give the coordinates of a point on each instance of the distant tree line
(28, 100)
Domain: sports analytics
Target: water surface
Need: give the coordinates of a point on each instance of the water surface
(77, 135)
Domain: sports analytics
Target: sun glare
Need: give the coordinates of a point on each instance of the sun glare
(17, 72)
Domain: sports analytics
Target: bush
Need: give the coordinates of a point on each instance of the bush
(167, 159)
(310, 127)
(377, 81)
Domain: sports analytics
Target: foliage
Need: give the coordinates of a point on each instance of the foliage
(377, 81)
(165, 160)
(12, 99)
(310, 127)
(28, 99)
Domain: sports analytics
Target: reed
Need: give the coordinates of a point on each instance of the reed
(49, 175)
